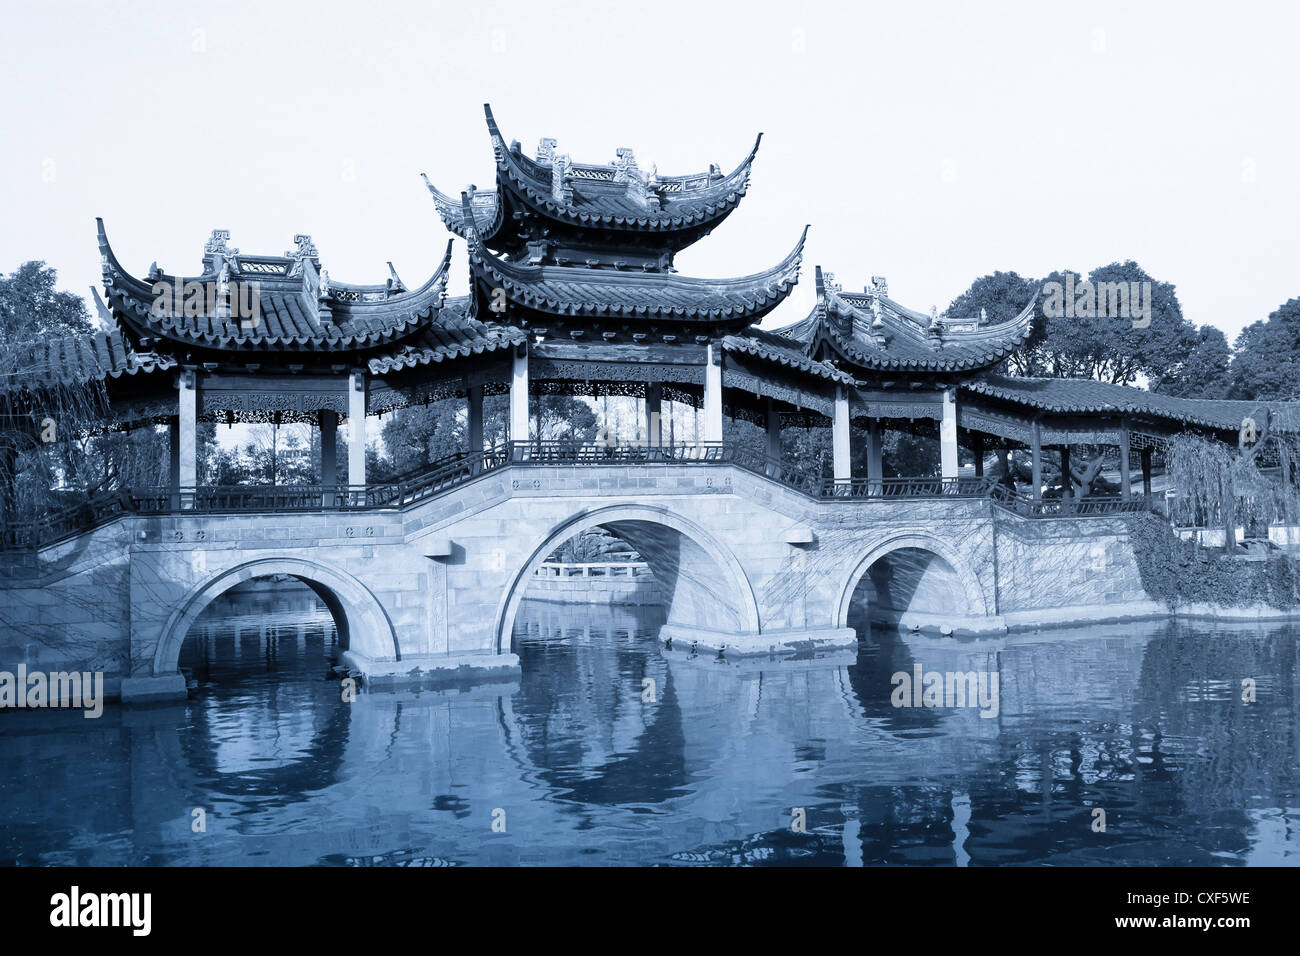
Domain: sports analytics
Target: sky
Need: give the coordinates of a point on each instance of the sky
(930, 143)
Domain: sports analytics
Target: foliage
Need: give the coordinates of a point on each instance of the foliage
(592, 547)
(1179, 572)
(1171, 353)
(1266, 366)
(31, 308)
(1216, 485)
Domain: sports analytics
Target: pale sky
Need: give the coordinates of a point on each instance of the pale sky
(929, 143)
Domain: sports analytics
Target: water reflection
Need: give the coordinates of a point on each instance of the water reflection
(610, 749)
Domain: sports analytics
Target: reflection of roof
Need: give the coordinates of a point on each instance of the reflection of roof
(298, 308)
(451, 336)
(73, 360)
(615, 294)
(872, 331)
(618, 195)
(776, 348)
(1089, 397)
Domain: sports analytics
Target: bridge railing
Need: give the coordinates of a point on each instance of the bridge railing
(1092, 506)
(909, 488)
(461, 467)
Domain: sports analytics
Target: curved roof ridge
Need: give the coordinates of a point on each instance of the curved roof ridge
(677, 208)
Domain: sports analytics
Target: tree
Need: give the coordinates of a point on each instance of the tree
(31, 308)
(1206, 371)
(1266, 366)
(45, 421)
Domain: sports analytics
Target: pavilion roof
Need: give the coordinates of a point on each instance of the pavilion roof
(778, 349)
(1090, 397)
(872, 331)
(618, 195)
(454, 335)
(627, 294)
(75, 360)
(300, 309)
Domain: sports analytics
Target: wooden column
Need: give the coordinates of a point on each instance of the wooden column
(174, 459)
(357, 429)
(519, 395)
(1067, 483)
(977, 449)
(329, 447)
(875, 452)
(773, 430)
(1124, 477)
(329, 453)
(948, 435)
(713, 393)
(840, 438)
(1146, 473)
(654, 401)
(1036, 457)
(187, 385)
(474, 400)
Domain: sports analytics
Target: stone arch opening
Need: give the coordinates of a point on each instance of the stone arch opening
(360, 620)
(702, 583)
(911, 581)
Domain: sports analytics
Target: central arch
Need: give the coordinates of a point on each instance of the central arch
(972, 592)
(733, 598)
(362, 624)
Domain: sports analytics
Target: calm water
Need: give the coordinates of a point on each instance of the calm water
(1144, 722)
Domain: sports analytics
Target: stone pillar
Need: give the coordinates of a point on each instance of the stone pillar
(474, 399)
(519, 395)
(840, 438)
(977, 449)
(1146, 473)
(948, 435)
(713, 393)
(1124, 477)
(1036, 457)
(876, 453)
(187, 470)
(357, 429)
(654, 399)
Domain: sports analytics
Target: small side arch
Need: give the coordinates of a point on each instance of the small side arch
(361, 620)
(740, 600)
(976, 605)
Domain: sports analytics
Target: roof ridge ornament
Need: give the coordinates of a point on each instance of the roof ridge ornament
(625, 166)
(304, 248)
(546, 150)
(395, 284)
(561, 179)
(217, 245)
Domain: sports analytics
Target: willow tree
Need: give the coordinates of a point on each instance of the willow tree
(46, 423)
(1216, 484)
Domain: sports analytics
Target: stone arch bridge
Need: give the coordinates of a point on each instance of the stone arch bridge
(424, 578)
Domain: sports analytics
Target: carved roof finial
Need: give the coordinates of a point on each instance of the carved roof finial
(546, 150)
(304, 248)
(217, 245)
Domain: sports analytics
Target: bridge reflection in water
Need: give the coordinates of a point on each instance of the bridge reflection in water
(611, 749)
